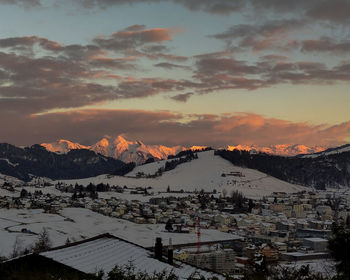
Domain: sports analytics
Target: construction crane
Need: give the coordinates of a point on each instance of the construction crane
(198, 232)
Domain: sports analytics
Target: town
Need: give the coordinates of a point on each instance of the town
(288, 229)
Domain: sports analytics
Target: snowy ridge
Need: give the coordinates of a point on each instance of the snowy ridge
(282, 150)
(138, 152)
(119, 148)
(62, 146)
(331, 151)
(135, 151)
(9, 162)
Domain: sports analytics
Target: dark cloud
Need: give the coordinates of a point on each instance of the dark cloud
(132, 37)
(74, 75)
(113, 63)
(223, 7)
(40, 84)
(155, 49)
(155, 55)
(21, 43)
(335, 11)
(25, 3)
(326, 44)
(224, 65)
(228, 73)
(283, 6)
(182, 97)
(170, 66)
(257, 37)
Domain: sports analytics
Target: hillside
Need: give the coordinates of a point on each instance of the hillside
(208, 172)
(330, 170)
(331, 151)
(25, 163)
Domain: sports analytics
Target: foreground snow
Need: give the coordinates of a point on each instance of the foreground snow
(80, 223)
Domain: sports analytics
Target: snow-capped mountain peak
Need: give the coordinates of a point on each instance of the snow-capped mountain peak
(136, 151)
(62, 146)
(282, 149)
(119, 148)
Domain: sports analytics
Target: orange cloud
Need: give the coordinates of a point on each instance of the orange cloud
(169, 128)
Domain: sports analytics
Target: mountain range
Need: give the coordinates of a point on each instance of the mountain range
(329, 168)
(138, 152)
(118, 148)
(281, 150)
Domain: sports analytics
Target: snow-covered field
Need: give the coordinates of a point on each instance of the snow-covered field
(203, 173)
(324, 266)
(79, 223)
(9, 179)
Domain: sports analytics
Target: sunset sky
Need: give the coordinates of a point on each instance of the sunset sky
(175, 72)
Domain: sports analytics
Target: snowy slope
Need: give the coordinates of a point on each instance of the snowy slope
(332, 151)
(9, 179)
(282, 150)
(202, 173)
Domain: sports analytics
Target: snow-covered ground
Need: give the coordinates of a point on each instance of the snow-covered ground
(341, 149)
(324, 266)
(202, 173)
(9, 179)
(79, 223)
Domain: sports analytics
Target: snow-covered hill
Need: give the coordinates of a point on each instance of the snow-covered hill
(282, 150)
(208, 172)
(332, 151)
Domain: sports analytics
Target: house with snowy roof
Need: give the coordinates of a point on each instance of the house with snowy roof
(103, 253)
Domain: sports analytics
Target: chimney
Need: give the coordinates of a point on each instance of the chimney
(170, 253)
(158, 249)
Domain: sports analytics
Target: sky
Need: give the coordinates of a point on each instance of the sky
(175, 72)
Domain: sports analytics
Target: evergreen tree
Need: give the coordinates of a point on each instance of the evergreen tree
(339, 246)
(43, 243)
(169, 225)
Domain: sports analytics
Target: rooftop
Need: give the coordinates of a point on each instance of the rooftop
(104, 252)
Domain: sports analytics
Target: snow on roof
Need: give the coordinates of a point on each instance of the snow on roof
(106, 251)
(316, 239)
(301, 254)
